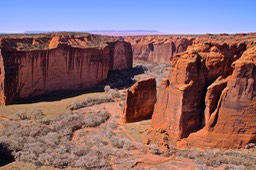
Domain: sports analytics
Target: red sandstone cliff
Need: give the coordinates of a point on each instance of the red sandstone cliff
(179, 102)
(121, 55)
(162, 48)
(157, 48)
(140, 101)
(209, 97)
(233, 122)
(195, 95)
(32, 66)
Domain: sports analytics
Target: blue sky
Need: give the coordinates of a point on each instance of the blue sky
(166, 16)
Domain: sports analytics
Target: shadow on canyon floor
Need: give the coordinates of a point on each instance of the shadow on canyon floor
(124, 79)
(5, 155)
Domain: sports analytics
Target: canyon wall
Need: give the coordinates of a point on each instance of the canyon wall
(208, 100)
(162, 48)
(157, 48)
(233, 122)
(121, 57)
(62, 63)
(210, 87)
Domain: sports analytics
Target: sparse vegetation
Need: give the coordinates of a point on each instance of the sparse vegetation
(32, 114)
(89, 101)
(206, 159)
(49, 142)
(154, 149)
(216, 158)
(155, 70)
(114, 93)
(31, 137)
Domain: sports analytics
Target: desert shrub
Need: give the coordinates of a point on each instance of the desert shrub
(123, 95)
(32, 114)
(154, 149)
(50, 144)
(93, 160)
(90, 101)
(112, 124)
(114, 93)
(216, 158)
(155, 70)
(81, 151)
(95, 119)
(107, 88)
(121, 143)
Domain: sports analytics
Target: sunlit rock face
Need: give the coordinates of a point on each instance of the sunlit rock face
(40, 65)
(140, 101)
(209, 97)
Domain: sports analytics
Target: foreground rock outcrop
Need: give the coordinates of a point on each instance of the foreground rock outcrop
(179, 103)
(140, 101)
(233, 123)
(32, 66)
(211, 87)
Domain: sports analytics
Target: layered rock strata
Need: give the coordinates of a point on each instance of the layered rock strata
(162, 48)
(211, 87)
(34, 66)
(233, 122)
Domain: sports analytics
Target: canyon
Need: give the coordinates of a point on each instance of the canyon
(210, 93)
(41, 64)
(181, 101)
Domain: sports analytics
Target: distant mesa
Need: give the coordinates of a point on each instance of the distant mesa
(106, 32)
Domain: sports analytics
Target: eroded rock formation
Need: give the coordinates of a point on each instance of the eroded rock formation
(180, 97)
(208, 88)
(34, 66)
(233, 123)
(140, 101)
(157, 48)
(200, 93)
(162, 48)
(121, 55)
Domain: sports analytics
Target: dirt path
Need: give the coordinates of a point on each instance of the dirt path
(122, 124)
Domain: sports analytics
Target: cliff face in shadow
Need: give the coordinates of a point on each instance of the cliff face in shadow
(32, 66)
